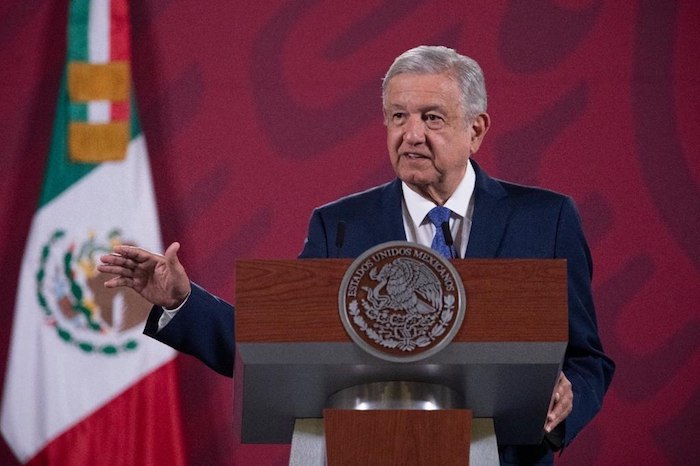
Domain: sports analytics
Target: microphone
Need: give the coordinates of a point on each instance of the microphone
(448, 239)
(339, 237)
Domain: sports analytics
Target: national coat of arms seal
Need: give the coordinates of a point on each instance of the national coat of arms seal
(71, 295)
(401, 301)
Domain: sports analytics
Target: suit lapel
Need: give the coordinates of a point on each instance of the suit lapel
(491, 213)
(390, 226)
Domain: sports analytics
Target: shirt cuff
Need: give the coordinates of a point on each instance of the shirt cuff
(168, 314)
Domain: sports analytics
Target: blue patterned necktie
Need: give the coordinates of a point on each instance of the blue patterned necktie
(439, 215)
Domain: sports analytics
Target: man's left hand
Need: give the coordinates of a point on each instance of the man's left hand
(561, 405)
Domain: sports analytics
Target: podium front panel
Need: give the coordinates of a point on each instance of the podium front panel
(295, 354)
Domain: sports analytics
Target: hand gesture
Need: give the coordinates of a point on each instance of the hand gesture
(160, 279)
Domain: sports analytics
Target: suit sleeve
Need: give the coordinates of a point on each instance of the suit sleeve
(203, 328)
(586, 366)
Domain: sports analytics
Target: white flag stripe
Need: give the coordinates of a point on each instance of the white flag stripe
(99, 32)
(99, 111)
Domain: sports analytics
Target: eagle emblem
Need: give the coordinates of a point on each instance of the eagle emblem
(401, 301)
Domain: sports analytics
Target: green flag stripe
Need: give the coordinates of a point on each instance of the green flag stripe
(78, 18)
(60, 172)
(77, 111)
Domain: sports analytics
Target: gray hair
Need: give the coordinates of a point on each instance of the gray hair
(436, 60)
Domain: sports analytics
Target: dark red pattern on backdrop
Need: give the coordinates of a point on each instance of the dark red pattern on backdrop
(254, 114)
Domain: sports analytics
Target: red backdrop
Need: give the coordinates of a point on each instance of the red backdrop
(255, 112)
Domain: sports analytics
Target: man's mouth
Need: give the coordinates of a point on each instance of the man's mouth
(414, 155)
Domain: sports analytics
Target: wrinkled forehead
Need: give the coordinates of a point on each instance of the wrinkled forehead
(411, 89)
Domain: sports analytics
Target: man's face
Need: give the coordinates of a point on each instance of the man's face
(428, 137)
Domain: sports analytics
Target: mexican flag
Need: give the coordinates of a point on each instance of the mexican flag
(83, 385)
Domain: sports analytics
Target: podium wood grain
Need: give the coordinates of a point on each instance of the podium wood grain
(397, 437)
(296, 300)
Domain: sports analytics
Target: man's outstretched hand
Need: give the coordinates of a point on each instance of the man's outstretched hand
(160, 279)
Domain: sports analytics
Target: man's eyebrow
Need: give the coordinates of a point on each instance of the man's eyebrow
(424, 109)
(430, 108)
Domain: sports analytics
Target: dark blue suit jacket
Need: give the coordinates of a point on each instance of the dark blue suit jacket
(509, 221)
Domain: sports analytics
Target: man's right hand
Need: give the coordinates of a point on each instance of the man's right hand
(160, 279)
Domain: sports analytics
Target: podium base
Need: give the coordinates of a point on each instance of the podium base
(309, 443)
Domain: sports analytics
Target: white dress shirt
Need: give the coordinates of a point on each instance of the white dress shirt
(419, 228)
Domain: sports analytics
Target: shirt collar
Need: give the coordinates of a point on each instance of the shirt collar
(418, 206)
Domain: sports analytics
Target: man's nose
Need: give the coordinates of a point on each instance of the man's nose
(414, 130)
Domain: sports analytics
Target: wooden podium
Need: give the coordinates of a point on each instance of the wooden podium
(293, 354)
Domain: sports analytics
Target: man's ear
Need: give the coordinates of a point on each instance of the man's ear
(479, 127)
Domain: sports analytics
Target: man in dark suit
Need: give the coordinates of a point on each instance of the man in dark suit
(435, 112)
